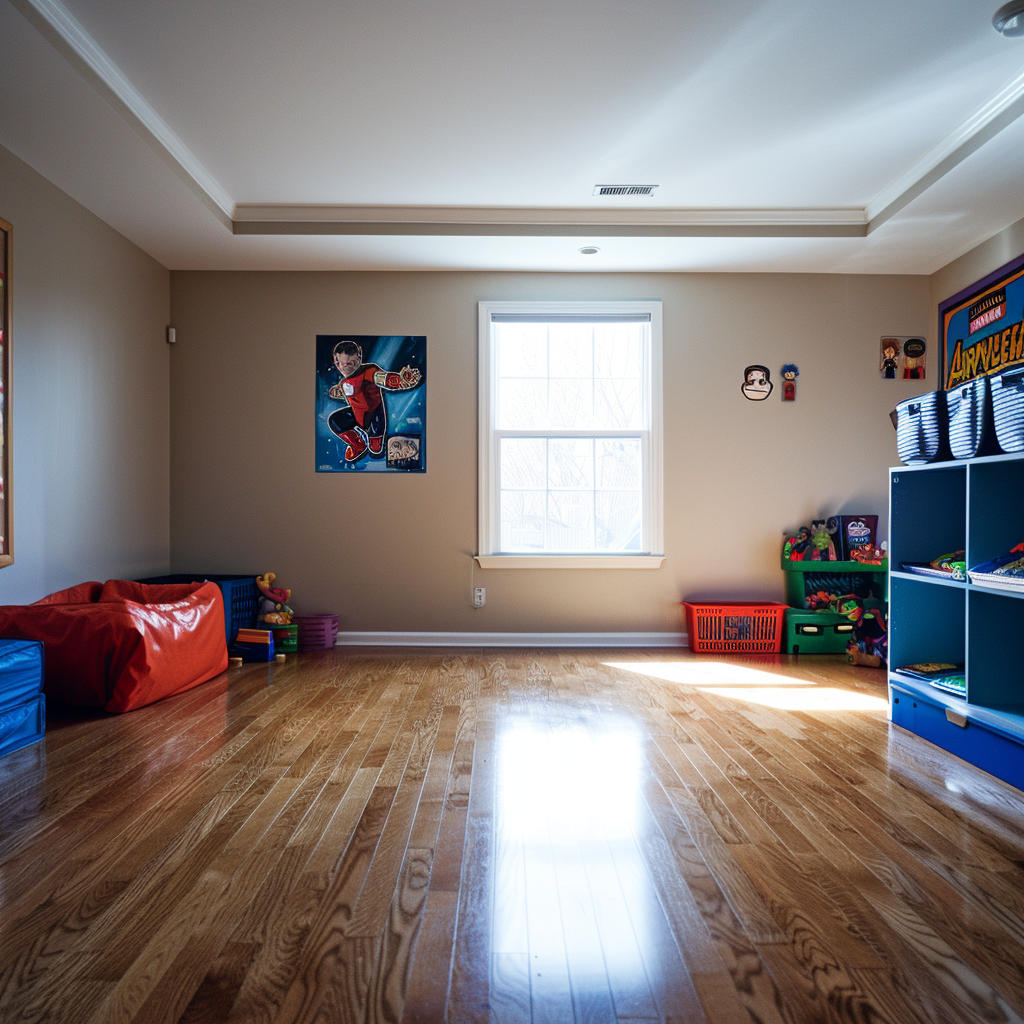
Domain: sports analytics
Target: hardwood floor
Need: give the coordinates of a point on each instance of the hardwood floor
(474, 836)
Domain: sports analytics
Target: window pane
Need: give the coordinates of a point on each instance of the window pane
(618, 464)
(522, 463)
(617, 350)
(561, 376)
(618, 520)
(571, 350)
(522, 350)
(570, 463)
(570, 525)
(522, 404)
(570, 406)
(522, 520)
(570, 494)
(617, 404)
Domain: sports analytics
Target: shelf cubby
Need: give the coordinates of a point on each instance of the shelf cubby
(996, 510)
(926, 621)
(995, 623)
(916, 532)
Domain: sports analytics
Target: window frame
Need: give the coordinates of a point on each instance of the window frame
(489, 555)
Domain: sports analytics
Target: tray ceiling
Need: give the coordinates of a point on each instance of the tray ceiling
(786, 135)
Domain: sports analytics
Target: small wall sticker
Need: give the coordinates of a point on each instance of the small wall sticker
(790, 372)
(757, 383)
(913, 358)
(890, 360)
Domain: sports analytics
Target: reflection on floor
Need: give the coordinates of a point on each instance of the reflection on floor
(479, 836)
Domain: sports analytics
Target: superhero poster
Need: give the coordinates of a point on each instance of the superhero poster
(982, 327)
(371, 403)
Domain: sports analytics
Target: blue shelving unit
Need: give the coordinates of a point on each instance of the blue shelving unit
(977, 505)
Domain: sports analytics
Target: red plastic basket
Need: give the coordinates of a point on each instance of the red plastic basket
(316, 632)
(728, 627)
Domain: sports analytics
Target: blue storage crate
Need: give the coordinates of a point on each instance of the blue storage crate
(21, 671)
(22, 724)
(241, 598)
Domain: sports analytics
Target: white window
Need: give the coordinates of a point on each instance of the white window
(570, 434)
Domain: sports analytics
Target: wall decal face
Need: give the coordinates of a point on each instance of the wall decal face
(757, 383)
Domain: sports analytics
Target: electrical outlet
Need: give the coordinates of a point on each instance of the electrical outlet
(479, 597)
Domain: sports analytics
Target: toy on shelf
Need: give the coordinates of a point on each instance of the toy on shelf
(1003, 573)
(274, 610)
(943, 675)
(870, 643)
(949, 566)
(823, 548)
(797, 547)
(836, 539)
(868, 555)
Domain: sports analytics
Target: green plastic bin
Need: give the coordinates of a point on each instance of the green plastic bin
(816, 632)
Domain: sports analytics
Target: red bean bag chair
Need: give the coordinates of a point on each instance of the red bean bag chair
(121, 645)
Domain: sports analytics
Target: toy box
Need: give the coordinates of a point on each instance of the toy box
(816, 632)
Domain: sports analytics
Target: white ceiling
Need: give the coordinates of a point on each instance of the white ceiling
(788, 135)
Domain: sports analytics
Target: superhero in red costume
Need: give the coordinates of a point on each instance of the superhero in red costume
(362, 422)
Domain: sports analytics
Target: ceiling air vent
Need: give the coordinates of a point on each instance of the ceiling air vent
(624, 190)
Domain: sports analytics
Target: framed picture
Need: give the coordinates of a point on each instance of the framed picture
(6, 373)
(371, 403)
(981, 327)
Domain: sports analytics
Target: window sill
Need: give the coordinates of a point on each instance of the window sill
(569, 561)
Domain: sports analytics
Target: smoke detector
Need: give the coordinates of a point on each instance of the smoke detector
(624, 190)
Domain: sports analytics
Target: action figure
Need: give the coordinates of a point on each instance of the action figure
(362, 422)
(789, 376)
(274, 610)
(890, 354)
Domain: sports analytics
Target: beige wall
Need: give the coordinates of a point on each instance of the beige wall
(975, 264)
(394, 552)
(90, 399)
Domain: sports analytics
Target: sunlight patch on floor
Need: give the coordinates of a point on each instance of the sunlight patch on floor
(755, 686)
(807, 698)
(698, 674)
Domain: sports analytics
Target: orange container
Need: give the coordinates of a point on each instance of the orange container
(735, 627)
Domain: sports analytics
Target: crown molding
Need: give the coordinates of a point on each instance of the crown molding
(307, 219)
(534, 216)
(56, 23)
(984, 124)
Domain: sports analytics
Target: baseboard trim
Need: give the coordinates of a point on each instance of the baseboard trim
(354, 639)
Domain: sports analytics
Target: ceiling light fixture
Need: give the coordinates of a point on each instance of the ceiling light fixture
(1009, 19)
(589, 250)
